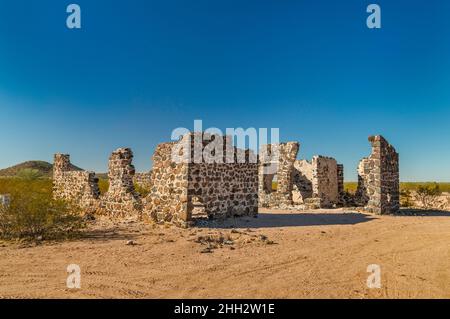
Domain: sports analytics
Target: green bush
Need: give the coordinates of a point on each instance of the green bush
(34, 214)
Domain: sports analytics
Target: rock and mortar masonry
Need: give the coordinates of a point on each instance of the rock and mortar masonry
(315, 184)
(121, 200)
(79, 187)
(182, 191)
(179, 192)
(143, 179)
(378, 178)
(277, 160)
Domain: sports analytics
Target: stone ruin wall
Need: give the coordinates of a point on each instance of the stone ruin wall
(303, 177)
(340, 181)
(277, 160)
(225, 190)
(80, 187)
(325, 181)
(143, 180)
(315, 183)
(378, 179)
(181, 191)
(168, 198)
(178, 191)
(185, 190)
(121, 199)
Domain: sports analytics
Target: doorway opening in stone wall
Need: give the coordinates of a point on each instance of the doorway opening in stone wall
(270, 183)
(301, 185)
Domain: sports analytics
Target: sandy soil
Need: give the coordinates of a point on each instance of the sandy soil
(281, 254)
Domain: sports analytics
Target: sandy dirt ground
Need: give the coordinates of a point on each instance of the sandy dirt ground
(280, 254)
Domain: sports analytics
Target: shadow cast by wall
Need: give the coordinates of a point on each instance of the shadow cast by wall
(113, 233)
(423, 212)
(268, 220)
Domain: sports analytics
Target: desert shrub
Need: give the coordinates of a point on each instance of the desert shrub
(427, 195)
(17, 186)
(404, 186)
(350, 187)
(414, 186)
(34, 214)
(274, 186)
(29, 174)
(406, 199)
(103, 185)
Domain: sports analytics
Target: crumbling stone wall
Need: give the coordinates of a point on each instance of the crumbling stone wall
(378, 178)
(197, 186)
(340, 180)
(168, 198)
(316, 183)
(277, 160)
(325, 181)
(181, 190)
(299, 182)
(143, 180)
(225, 189)
(303, 181)
(79, 187)
(121, 199)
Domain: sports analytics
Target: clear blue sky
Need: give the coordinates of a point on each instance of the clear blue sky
(138, 69)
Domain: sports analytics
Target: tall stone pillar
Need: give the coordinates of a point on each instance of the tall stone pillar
(378, 178)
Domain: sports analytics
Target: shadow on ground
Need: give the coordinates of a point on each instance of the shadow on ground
(111, 233)
(423, 212)
(267, 220)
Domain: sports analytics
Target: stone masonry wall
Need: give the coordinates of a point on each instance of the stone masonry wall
(282, 167)
(186, 189)
(183, 190)
(340, 174)
(79, 187)
(302, 180)
(378, 178)
(143, 179)
(121, 200)
(316, 183)
(325, 181)
(168, 198)
(225, 190)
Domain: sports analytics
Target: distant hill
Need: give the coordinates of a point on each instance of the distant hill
(45, 168)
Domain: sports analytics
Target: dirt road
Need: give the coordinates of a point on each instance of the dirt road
(281, 254)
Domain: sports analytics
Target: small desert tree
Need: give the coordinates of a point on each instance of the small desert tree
(427, 195)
